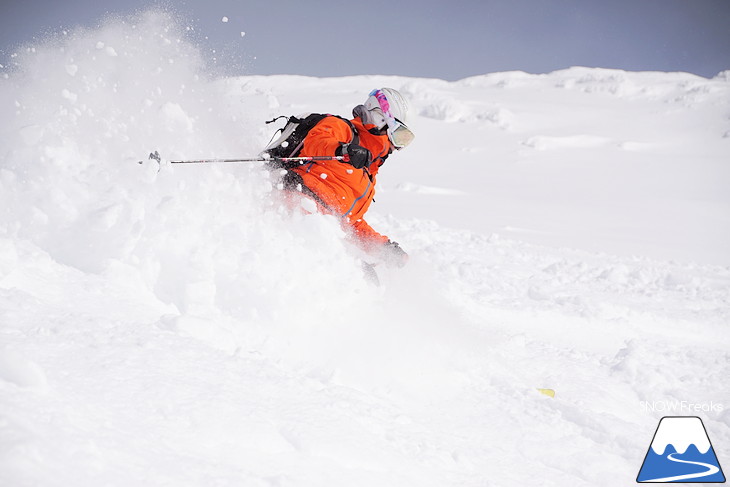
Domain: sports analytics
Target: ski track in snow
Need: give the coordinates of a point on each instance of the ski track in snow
(175, 327)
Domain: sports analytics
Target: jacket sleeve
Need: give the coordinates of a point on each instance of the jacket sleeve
(326, 137)
(366, 236)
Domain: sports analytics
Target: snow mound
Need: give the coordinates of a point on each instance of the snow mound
(544, 142)
(417, 188)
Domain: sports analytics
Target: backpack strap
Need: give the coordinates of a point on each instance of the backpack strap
(355, 135)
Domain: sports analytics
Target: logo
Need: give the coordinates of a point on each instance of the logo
(681, 452)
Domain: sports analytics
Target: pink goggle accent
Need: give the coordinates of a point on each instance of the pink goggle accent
(383, 101)
(399, 135)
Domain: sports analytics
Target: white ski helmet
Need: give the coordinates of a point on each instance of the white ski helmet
(386, 107)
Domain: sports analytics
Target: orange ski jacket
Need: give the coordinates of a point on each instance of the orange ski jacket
(346, 191)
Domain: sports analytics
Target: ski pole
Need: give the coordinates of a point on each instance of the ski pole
(155, 156)
(300, 160)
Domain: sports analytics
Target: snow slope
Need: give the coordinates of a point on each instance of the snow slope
(567, 231)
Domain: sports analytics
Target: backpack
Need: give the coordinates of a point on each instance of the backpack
(291, 139)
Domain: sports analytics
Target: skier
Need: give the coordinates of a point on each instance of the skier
(346, 189)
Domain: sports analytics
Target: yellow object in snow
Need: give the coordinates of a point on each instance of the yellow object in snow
(547, 392)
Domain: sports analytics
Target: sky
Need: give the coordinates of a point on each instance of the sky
(420, 38)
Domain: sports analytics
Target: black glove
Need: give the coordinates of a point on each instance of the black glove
(393, 255)
(356, 155)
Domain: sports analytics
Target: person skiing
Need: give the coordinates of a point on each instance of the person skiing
(345, 188)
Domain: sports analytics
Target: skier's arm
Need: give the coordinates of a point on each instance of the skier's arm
(366, 235)
(327, 136)
(379, 245)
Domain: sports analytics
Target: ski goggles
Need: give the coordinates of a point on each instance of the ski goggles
(398, 133)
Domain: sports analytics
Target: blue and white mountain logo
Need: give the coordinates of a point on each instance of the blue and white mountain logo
(681, 452)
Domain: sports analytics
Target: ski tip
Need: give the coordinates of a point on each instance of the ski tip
(547, 392)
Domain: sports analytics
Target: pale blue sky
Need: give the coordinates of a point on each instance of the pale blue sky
(423, 38)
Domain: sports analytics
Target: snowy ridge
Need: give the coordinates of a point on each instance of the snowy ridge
(567, 230)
